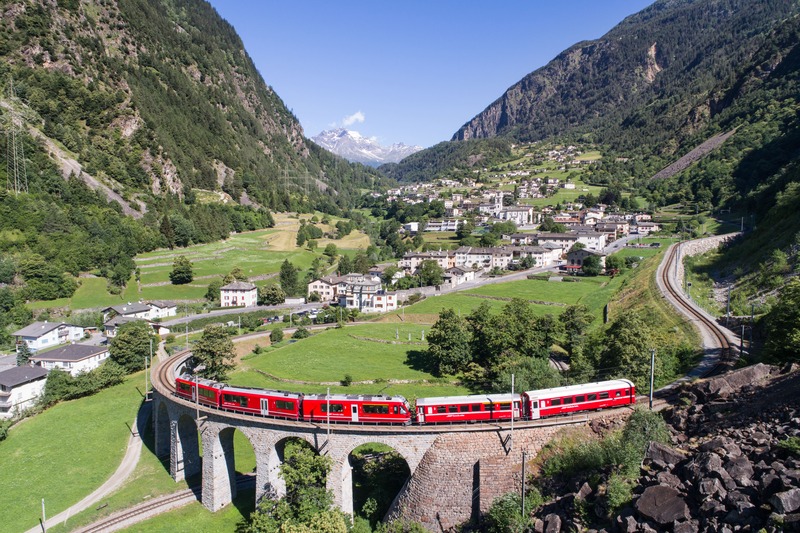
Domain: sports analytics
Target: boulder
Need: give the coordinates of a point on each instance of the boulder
(723, 386)
(786, 502)
(662, 504)
(663, 453)
(740, 469)
(552, 523)
(689, 526)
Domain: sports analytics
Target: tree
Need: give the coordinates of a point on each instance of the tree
(212, 293)
(215, 351)
(627, 347)
(288, 278)
(345, 265)
(782, 325)
(167, 232)
(529, 374)
(132, 344)
(591, 266)
(615, 263)
(430, 273)
(181, 271)
(23, 354)
(388, 274)
(514, 332)
(361, 263)
(575, 320)
(271, 295)
(276, 335)
(331, 252)
(449, 343)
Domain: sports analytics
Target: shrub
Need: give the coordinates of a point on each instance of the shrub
(618, 493)
(5, 425)
(347, 380)
(276, 336)
(301, 333)
(792, 445)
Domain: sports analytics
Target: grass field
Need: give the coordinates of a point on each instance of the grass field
(65, 453)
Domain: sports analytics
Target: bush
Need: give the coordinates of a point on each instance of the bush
(276, 336)
(347, 380)
(5, 426)
(301, 333)
(619, 492)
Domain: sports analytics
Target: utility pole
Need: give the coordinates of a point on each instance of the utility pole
(511, 437)
(652, 374)
(522, 510)
(328, 412)
(44, 518)
(187, 326)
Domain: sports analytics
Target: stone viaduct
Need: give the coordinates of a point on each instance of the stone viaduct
(456, 470)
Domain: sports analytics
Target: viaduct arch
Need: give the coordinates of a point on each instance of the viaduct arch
(456, 471)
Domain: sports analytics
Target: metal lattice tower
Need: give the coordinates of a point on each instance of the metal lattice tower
(16, 177)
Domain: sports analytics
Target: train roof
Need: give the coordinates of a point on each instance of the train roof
(472, 398)
(363, 397)
(582, 388)
(265, 392)
(202, 381)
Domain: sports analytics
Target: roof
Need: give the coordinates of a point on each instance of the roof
(129, 308)
(37, 329)
(580, 389)
(473, 398)
(238, 286)
(70, 352)
(162, 304)
(119, 320)
(20, 375)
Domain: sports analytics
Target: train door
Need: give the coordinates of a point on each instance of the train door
(354, 411)
(534, 408)
(194, 392)
(515, 409)
(265, 406)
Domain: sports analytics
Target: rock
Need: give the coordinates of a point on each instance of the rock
(552, 523)
(538, 525)
(661, 452)
(690, 526)
(786, 502)
(583, 492)
(662, 504)
(740, 469)
(791, 522)
(670, 480)
(723, 386)
(711, 486)
(630, 525)
(721, 444)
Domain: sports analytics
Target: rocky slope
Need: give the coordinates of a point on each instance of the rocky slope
(729, 468)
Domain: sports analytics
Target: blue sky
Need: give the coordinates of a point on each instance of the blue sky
(411, 71)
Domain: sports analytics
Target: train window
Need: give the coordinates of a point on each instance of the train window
(281, 404)
(441, 409)
(579, 399)
(207, 393)
(373, 409)
(627, 392)
(603, 395)
(464, 408)
(616, 394)
(399, 410)
(567, 401)
(476, 407)
(335, 408)
(592, 397)
(184, 387)
(241, 401)
(452, 408)
(505, 406)
(555, 401)
(534, 405)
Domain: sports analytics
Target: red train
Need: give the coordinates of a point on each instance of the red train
(395, 409)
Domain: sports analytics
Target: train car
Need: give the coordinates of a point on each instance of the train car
(574, 398)
(356, 408)
(262, 402)
(187, 386)
(472, 408)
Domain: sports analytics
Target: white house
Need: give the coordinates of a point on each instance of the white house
(646, 228)
(522, 216)
(162, 309)
(457, 275)
(129, 310)
(72, 358)
(326, 287)
(238, 293)
(45, 334)
(19, 388)
(111, 326)
(364, 293)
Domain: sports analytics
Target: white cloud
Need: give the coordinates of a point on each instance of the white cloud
(358, 116)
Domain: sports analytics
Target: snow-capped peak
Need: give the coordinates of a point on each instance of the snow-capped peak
(355, 147)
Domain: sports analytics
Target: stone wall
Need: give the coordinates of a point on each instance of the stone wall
(462, 473)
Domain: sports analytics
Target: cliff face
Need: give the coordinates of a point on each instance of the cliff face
(662, 68)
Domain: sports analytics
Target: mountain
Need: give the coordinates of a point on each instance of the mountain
(359, 149)
(153, 98)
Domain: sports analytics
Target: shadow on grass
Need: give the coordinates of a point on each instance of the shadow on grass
(419, 360)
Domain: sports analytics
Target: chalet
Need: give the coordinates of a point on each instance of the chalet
(238, 294)
(72, 358)
(20, 387)
(46, 334)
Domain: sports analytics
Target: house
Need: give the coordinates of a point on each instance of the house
(326, 287)
(646, 228)
(238, 294)
(111, 326)
(363, 292)
(457, 275)
(130, 310)
(19, 388)
(575, 258)
(522, 216)
(72, 358)
(412, 260)
(45, 334)
(162, 309)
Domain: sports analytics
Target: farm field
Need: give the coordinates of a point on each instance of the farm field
(465, 303)
(65, 453)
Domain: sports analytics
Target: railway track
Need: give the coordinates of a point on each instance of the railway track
(158, 505)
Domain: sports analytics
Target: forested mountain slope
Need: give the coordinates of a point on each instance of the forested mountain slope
(161, 97)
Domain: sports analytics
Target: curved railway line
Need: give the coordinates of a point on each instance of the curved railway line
(163, 379)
